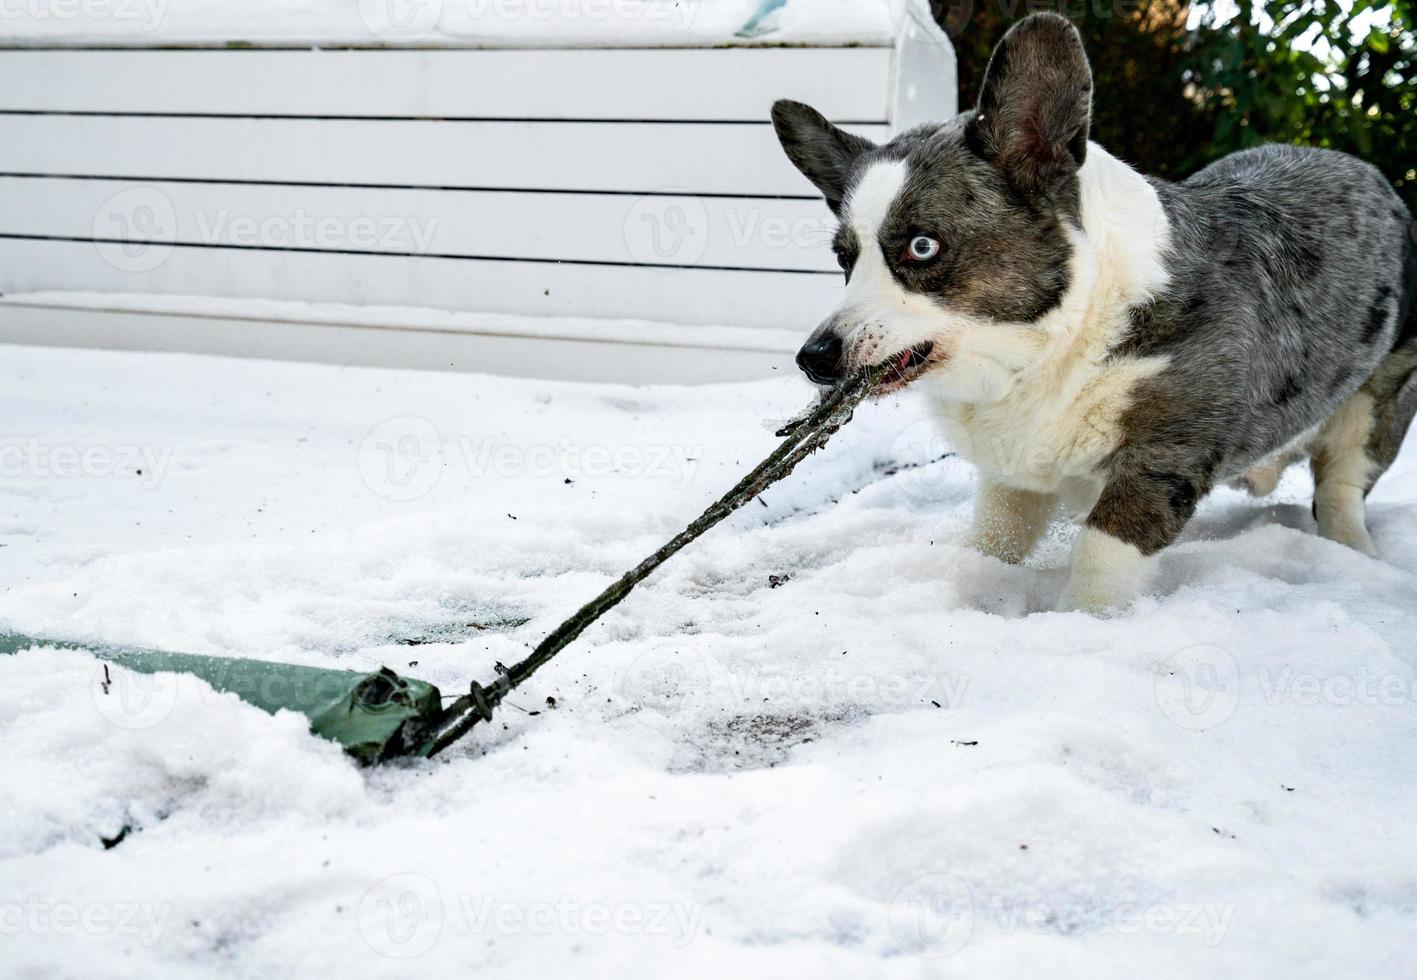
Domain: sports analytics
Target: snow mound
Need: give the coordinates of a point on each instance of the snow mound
(827, 740)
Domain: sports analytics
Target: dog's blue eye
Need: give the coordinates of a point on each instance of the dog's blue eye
(923, 248)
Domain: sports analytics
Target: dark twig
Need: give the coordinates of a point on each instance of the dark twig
(801, 437)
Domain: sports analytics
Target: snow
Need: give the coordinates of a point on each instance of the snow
(896, 763)
(455, 23)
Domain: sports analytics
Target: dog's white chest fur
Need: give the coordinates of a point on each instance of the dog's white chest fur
(1039, 406)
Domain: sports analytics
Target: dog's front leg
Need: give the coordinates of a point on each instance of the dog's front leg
(1009, 522)
(1138, 514)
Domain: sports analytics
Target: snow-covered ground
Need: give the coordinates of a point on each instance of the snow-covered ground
(897, 762)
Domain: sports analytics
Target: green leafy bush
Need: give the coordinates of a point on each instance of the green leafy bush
(1179, 85)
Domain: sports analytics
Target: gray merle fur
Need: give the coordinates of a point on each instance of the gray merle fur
(1293, 276)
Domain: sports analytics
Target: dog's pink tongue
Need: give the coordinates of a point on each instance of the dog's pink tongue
(903, 361)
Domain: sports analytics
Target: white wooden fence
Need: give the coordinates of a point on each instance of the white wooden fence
(202, 200)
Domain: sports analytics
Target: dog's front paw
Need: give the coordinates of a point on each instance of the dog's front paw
(998, 543)
(1107, 574)
(1087, 597)
(1009, 522)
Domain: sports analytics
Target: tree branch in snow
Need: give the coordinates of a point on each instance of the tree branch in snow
(801, 437)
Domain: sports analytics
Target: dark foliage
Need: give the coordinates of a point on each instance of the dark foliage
(1170, 99)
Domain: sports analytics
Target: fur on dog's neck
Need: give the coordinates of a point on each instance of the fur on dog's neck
(1118, 262)
(1125, 225)
(1042, 402)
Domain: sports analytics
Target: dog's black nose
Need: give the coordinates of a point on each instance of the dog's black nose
(820, 359)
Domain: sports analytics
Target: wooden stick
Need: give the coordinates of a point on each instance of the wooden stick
(801, 437)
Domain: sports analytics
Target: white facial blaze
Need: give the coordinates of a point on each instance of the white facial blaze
(881, 317)
(1117, 261)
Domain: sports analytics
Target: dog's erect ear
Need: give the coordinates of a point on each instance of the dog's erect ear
(1035, 104)
(817, 148)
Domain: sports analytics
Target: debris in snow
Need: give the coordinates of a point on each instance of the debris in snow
(801, 437)
(109, 843)
(792, 855)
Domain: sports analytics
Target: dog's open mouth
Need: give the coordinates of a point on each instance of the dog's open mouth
(908, 365)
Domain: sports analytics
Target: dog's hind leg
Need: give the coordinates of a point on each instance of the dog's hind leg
(1343, 472)
(1009, 522)
(1357, 445)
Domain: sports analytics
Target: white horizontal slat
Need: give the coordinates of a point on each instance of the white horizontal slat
(720, 84)
(728, 158)
(454, 24)
(794, 301)
(522, 354)
(658, 230)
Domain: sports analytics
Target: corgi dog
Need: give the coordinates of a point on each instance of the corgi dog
(1110, 342)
